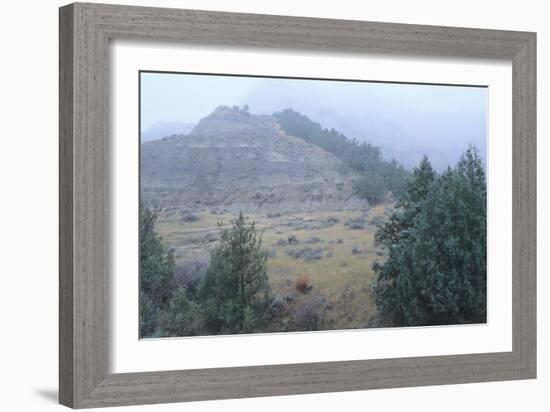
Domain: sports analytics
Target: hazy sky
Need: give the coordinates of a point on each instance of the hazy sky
(406, 120)
(188, 98)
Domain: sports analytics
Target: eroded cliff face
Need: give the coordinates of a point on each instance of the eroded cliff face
(242, 162)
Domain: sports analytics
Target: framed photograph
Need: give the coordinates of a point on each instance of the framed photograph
(257, 205)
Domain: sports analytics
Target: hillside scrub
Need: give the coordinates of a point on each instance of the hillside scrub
(378, 176)
(327, 274)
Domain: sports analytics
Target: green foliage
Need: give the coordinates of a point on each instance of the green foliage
(165, 309)
(156, 264)
(395, 178)
(235, 295)
(156, 273)
(360, 156)
(435, 272)
(370, 186)
(183, 317)
(363, 158)
(236, 291)
(422, 179)
(399, 223)
(148, 317)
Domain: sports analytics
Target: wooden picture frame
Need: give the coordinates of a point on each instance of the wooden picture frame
(85, 31)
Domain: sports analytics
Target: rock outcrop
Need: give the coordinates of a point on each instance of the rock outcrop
(239, 161)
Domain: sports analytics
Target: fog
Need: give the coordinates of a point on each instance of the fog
(406, 120)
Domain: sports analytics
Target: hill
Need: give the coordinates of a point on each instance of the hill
(235, 160)
(159, 130)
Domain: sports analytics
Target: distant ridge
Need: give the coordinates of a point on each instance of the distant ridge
(163, 129)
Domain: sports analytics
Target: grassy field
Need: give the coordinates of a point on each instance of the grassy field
(331, 251)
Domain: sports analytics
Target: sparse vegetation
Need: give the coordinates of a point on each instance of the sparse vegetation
(378, 176)
(306, 253)
(206, 269)
(356, 223)
(187, 216)
(293, 240)
(229, 293)
(328, 275)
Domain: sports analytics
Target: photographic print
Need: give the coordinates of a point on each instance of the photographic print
(272, 205)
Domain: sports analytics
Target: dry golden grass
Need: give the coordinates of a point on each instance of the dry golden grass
(343, 275)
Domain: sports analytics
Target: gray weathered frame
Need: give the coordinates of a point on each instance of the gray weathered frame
(85, 31)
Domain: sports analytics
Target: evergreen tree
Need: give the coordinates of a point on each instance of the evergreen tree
(236, 292)
(435, 272)
(371, 187)
(422, 178)
(395, 178)
(408, 206)
(156, 273)
(378, 176)
(183, 317)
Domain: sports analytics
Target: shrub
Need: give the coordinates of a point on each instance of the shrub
(282, 242)
(292, 240)
(190, 274)
(277, 307)
(303, 284)
(356, 250)
(313, 254)
(306, 253)
(313, 239)
(273, 215)
(356, 223)
(183, 316)
(310, 313)
(289, 297)
(186, 216)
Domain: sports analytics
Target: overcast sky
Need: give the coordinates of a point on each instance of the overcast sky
(188, 98)
(437, 119)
